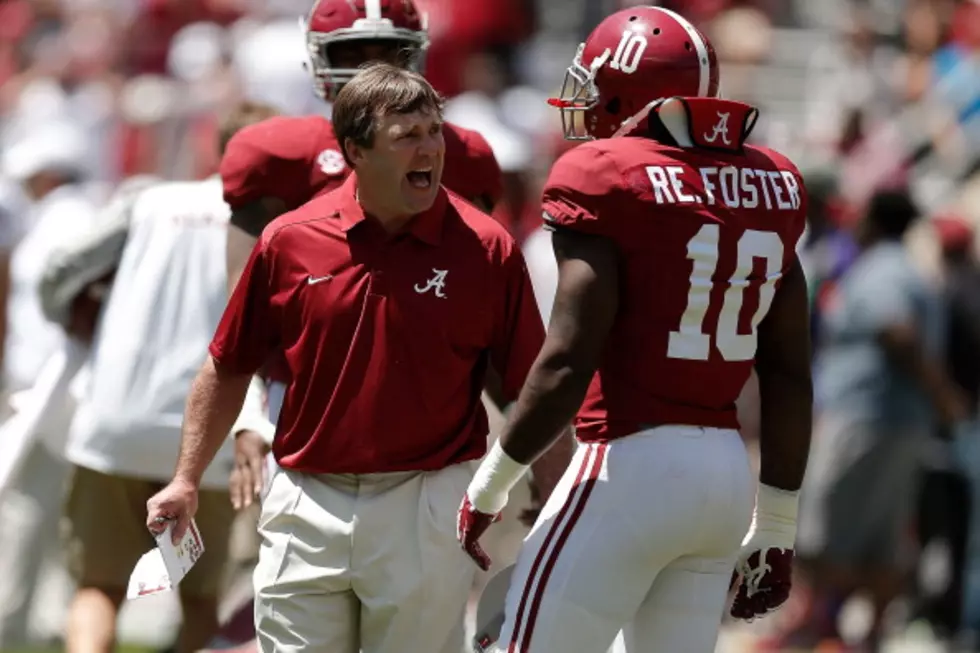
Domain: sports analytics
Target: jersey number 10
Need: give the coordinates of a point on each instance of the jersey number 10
(690, 342)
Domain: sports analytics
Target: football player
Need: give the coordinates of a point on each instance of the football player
(676, 246)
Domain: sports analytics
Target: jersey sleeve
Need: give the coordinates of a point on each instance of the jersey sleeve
(582, 191)
(271, 158)
(247, 333)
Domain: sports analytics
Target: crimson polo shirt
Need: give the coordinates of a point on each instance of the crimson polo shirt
(386, 338)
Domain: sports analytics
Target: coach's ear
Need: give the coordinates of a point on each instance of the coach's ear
(353, 153)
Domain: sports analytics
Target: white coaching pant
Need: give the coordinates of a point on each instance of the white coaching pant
(641, 534)
(364, 563)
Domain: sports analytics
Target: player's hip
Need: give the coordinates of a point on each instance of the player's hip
(702, 455)
(693, 482)
(598, 424)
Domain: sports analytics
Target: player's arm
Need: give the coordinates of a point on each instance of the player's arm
(258, 159)
(763, 570)
(585, 307)
(581, 199)
(246, 225)
(785, 384)
(548, 468)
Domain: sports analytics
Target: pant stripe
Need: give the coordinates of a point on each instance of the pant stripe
(549, 538)
(547, 556)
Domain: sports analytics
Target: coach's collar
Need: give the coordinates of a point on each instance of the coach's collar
(426, 226)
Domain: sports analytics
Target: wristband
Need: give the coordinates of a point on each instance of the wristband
(491, 485)
(775, 514)
(252, 416)
(781, 505)
(257, 424)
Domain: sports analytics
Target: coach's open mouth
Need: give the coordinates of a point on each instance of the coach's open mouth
(421, 178)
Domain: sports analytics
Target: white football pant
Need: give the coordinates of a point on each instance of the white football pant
(641, 535)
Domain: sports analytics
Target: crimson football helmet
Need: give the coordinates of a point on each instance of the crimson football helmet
(634, 58)
(343, 21)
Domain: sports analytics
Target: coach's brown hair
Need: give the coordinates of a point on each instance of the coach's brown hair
(245, 114)
(378, 90)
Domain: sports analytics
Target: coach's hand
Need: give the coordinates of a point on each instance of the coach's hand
(177, 504)
(249, 475)
(470, 526)
(763, 572)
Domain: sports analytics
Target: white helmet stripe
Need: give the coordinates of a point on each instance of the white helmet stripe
(704, 77)
(372, 9)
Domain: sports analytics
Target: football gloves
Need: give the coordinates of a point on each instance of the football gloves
(763, 571)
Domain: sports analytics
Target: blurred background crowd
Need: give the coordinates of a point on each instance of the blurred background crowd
(877, 101)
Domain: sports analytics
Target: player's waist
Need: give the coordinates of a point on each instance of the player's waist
(682, 429)
(599, 426)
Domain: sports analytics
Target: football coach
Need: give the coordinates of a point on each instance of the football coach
(391, 298)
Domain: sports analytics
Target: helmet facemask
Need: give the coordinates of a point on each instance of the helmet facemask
(330, 79)
(579, 95)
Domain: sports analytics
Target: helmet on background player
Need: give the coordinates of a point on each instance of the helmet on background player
(335, 22)
(632, 59)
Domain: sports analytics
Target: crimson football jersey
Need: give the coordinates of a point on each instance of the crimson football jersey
(298, 158)
(705, 233)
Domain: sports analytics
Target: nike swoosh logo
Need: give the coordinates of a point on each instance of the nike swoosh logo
(310, 280)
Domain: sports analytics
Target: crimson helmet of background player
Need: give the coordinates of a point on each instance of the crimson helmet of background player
(636, 56)
(393, 24)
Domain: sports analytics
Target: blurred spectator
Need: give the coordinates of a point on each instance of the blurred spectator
(49, 163)
(954, 72)
(827, 248)
(961, 276)
(157, 22)
(849, 88)
(167, 296)
(882, 393)
(742, 36)
(479, 110)
(459, 30)
(67, 75)
(944, 516)
(269, 60)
